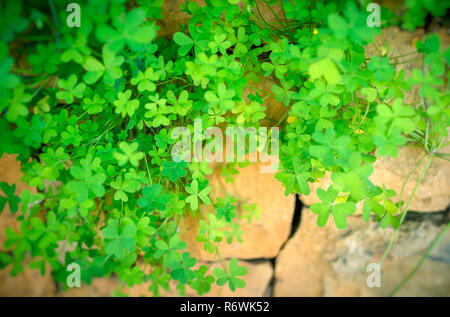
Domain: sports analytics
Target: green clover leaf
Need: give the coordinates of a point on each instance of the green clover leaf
(125, 106)
(174, 170)
(71, 89)
(234, 270)
(195, 194)
(129, 154)
(119, 240)
(10, 198)
(153, 198)
(145, 81)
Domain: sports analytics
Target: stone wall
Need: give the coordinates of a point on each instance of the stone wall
(285, 253)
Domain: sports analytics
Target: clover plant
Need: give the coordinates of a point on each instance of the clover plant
(90, 111)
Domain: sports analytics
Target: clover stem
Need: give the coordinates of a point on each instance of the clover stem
(285, 18)
(405, 209)
(362, 120)
(276, 16)
(148, 171)
(222, 262)
(283, 117)
(407, 61)
(56, 20)
(424, 257)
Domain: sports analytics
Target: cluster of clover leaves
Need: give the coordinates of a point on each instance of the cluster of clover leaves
(89, 111)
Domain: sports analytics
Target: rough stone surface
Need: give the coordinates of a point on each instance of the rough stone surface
(262, 237)
(10, 173)
(329, 262)
(30, 282)
(173, 17)
(400, 43)
(432, 194)
(100, 287)
(274, 109)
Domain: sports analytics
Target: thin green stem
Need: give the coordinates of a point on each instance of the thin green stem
(405, 209)
(148, 170)
(222, 262)
(56, 20)
(407, 61)
(276, 16)
(424, 257)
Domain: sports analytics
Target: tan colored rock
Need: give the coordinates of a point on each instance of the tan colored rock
(30, 282)
(262, 237)
(274, 109)
(432, 194)
(400, 43)
(329, 262)
(300, 268)
(173, 17)
(10, 173)
(100, 287)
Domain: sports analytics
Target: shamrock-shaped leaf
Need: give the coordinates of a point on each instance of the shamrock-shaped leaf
(129, 154)
(119, 240)
(181, 271)
(297, 180)
(163, 139)
(219, 44)
(124, 105)
(145, 81)
(110, 67)
(93, 105)
(200, 169)
(127, 185)
(181, 105)
(234, 270)
(153, 198)
(171, 248)
(339, 211)
(12, 21)
(174, 170)
(10, 198)
(71, 89)
(144, 230)
(398, 115)
(17, 104)
(195, 194)
(129, 28)
(185, 42)
(223, 98)
(46, 59)
(157, 111)
(330, 144)
(87, 181)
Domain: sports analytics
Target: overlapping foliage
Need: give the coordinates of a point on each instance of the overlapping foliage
(90, 111)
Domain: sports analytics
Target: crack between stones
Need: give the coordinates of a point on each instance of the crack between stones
(295, 224)
(436, 217)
